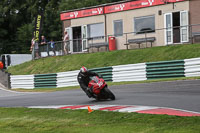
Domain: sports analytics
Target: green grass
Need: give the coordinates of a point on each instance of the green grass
(102, 59)
(24, 120)
(46, 89)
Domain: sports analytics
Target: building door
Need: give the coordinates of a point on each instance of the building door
(84, 37)
(168, 28)
(77, 39)
(70, 43)
(176, 27)
(184, 26)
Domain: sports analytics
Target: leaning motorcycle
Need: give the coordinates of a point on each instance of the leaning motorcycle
(100, 89)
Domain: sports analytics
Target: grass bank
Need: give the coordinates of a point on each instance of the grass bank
(102, 59)
(24, 120)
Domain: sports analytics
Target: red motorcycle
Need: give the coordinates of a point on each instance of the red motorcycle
(100, 89)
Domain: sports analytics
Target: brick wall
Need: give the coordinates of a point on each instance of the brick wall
(195, 14)
(66, 23)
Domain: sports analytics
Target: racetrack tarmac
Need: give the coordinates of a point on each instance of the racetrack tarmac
(174, 94)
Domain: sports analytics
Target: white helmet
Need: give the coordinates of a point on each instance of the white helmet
(83, 70)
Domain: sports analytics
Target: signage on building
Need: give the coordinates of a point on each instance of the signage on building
(82, 13)
(135, 5)
(114, 8)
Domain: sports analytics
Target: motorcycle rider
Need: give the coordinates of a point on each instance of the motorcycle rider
(84, 78)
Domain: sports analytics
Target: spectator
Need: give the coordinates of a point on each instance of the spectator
(34, 48)
(32, 44)
(44, 42)
(52, 46)
(66, 41)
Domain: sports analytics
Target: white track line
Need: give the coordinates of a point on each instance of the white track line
(127, 108)
(12, 91)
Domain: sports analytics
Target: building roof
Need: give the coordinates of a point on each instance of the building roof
(102, 5)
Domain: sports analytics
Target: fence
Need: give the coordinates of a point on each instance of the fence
(49, 49)
(130, 72)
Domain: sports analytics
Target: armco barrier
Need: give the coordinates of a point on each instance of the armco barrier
(22, 81)
(105, 72)
(192, 67)
(65, 79)
(45, 80)
(131, 72)
(165, 69)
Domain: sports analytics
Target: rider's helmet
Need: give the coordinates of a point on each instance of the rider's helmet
(83, 71)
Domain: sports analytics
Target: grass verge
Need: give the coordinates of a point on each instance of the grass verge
(24, 120)
(47, 89)
(102, 59)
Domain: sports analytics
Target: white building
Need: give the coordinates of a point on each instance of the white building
(165, 20)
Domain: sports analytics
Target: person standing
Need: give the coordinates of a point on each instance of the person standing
(32, 44)
(52, 46)
(44, 42)
(66, 42)
(34, 48)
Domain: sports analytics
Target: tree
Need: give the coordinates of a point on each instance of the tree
(52, 25)
(17, 20)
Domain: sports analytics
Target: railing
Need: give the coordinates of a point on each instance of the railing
(47, 50)
(64, 47)
(81, 45)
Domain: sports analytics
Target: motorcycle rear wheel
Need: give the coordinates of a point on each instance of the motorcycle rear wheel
(111, 95)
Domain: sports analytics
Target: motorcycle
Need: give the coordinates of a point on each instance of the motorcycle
(100, 89)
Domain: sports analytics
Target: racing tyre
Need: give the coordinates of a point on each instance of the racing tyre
(111, 95)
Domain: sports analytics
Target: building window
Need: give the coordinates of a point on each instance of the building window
(118, 28)
(96, 30)
(144, 24)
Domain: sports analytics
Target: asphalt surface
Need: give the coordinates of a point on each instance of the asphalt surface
(174, 94)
